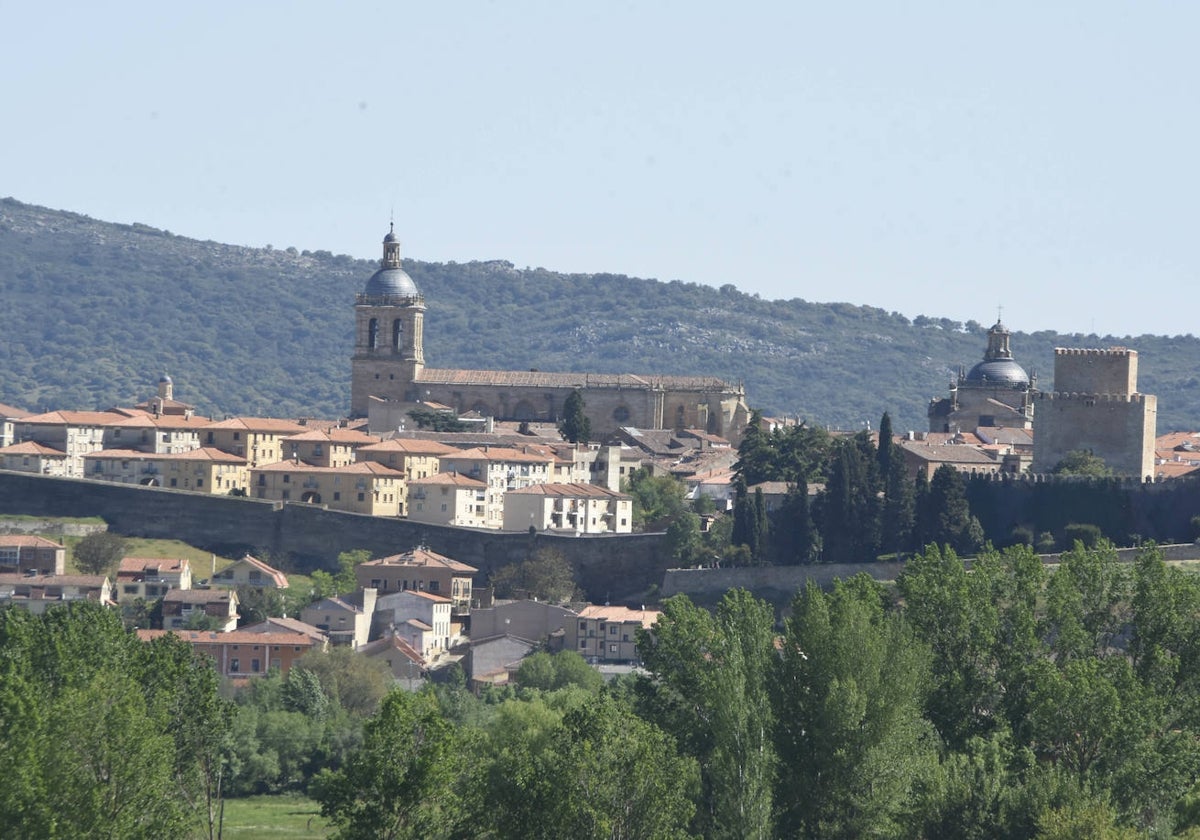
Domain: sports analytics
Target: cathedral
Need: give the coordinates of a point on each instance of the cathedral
(389, 376)
(995, 392)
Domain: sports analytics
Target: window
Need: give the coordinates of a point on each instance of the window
(237, 435)
(287, 479)
(397, 333)
(337, 497)
(235, 665)
(199, 482)
(373, 335)
(582, 643)
(361, 496)
(582, 626)
(612, 629)
(287, 494)
(434, 586)
(254, 666)
(612, 648)
(174, 482)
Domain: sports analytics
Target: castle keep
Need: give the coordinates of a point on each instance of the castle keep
(389, 377)
(1096, 406)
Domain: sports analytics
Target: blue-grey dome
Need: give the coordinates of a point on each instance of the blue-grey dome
(391, 281)
(998, 372)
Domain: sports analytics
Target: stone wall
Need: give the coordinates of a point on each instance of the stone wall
(1118, 428)
(1091, 371)
(777, 584)
(307, 537)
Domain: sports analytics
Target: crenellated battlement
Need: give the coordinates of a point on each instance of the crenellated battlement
(1093, 351)
(1092, 399)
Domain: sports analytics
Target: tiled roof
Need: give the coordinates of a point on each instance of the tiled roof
(946, 453)
(12, 412)
(546, 379)
(410, 446)
(233, 637)
(76, 418)
(30, 447)
(27, 541)
(263, 425)
(92, 581)
(620, 614)
(499, 454)
(283, 624)
(568, 491)
(422, 557)
(151, 565)
(350, 437)
(279, 577)
(199, 596)
(387, 643)
(357, 468)
(447, 479)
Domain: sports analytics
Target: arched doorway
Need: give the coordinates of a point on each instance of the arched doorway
(311, 497)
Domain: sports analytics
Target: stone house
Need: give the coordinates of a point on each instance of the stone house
(364, 487)
(257, 439)
(501, 469)
(420, 570)
(37, 593)
(202, 470)
(608, 634)
(448, 499)
(25, 554)
(345, 619)
(181, 606)
(240, 654)
(422, 619)
(252, 572)
(578, 508)
(150, 578)
(34, 457)
(326, 447)
(406, 663)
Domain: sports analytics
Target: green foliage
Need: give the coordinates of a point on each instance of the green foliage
(546, 575)
(1082, 462)
(549, 672)
(657, 499)
(102, 735)
(436, 421)
(575, 426)
(401, 781)
(98, 553)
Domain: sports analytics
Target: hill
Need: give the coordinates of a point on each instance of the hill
(95, 312)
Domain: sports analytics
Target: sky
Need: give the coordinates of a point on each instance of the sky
(943, 159)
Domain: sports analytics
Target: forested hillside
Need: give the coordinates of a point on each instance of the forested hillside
(95, 312)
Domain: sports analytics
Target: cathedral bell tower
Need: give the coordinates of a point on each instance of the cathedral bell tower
(389, 317)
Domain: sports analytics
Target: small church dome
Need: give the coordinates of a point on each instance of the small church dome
(998, 372)
(391, 279)
(998, 367)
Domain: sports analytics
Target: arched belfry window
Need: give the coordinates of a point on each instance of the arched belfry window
(373, 333)
(397, 333)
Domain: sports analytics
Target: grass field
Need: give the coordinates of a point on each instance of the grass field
(273, 817)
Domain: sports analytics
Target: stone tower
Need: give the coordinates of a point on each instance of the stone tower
(389, 318)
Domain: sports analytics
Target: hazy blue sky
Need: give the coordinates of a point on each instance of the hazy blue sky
(935, 159)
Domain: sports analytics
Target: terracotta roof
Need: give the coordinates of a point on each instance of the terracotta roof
(569, 491)
(548, 379)
(946, 453)
(27, 540)
(205, 453)
(620, 614)
(264, 425)
(422, 557)
(380, 646)
(76, 418)
(233, 637)
(357, 468)
(93, 581)
(199, 596)
(30, 447)
(279, 577)
(150, 565)
(410, 446)
(1175, 469)
(12, 412)
(499, 454)
(350, 437)
(420, 625)
(284, 624)
(451, 479)
(771, 488)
